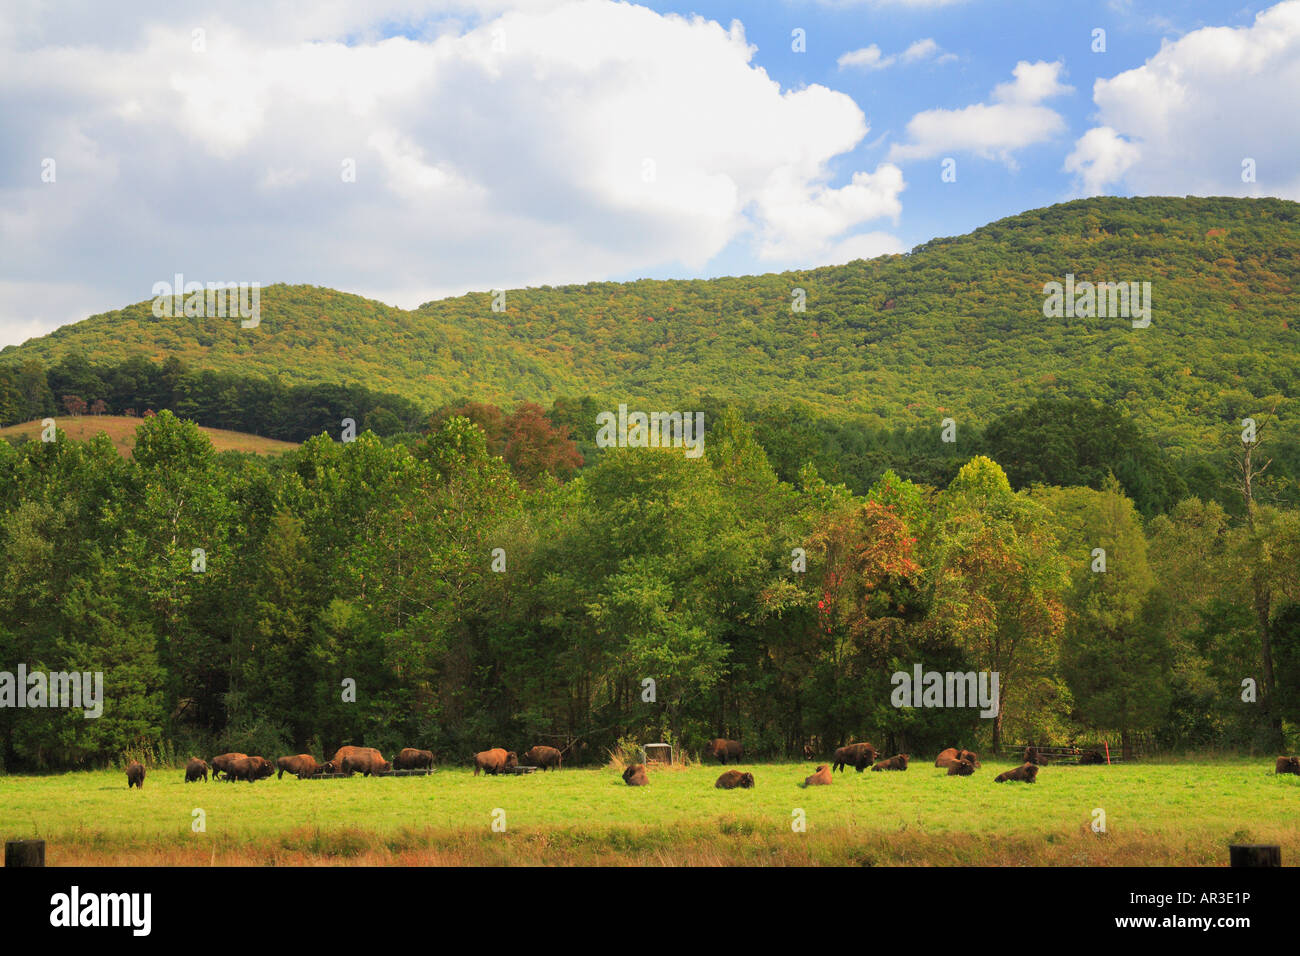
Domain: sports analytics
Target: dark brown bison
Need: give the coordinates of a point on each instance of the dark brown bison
(857, 756)
(969, 756)
(635, 775)
(408, 758)
(544, 757)
(223, 763)
(135, 775)
(299, 765)
(732, 779)
(195, 770)
(1032, 755)
(1091, 757)
(367, 763)
(251, 769)
(819, 779)
(1288, 765)
(961, 768)
(494, 761)
(1025, 773)
(724, 750)
(896, 762)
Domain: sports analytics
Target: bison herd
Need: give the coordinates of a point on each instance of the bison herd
(368, 761)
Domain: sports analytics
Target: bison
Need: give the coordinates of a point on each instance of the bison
(1032, 755)
(1288, 765)
(343, 753)
(1025, 773)
(494, 761)
(724, 750)
(251, 769)
(969, 756)
(299, 765)
(821, 778)
(135, 775)
(544, 757)
(947, 757)
(195, 769)
(859, 756)
(961, 768)
(366, 762)
(408, 758)
(732, 779)
(635, 775)
(223, 763)
(896, 762)
(1091, 757)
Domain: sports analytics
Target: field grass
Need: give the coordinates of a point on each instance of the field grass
(1156, 814)
(121, 430)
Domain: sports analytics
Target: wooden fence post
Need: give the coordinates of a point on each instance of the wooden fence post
(1254, 854)
(24, 853)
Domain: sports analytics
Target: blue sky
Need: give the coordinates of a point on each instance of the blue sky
(412, 149)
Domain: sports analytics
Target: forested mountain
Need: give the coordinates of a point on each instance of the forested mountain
(955, 328)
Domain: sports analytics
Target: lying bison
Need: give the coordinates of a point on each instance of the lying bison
(408, 758)
(896, 762)
(961, 768)
(635, 775)
(1288, 765)
(251, 769)
(857, 756)
(1090, 757)
(953, 755)
(135, 775)
(1025, 773)
(821, 778)
(299, 765)
(494, 761)
(732, 779)
(724, 750)
(223, 763)
(969, 756)
(1032, 755)
(196, 769)
(544, 757)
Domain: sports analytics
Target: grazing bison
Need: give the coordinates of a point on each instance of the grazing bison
(408, 758)
(299, 765)
(732, 779)
(1091, 757)
(724, 750)
(195, 769)
(1025, 773)
(821, 778)
(635, 775)
(544, 757)
(366, 763)
(961, 768)
(857, 756)
(1032, 755)
(135, 775)
(494, 761)
(1288, 765)
(251, 769)
(896, 762)
(350, 751)
(223, 763)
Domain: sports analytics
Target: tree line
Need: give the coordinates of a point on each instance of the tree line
(425, 590)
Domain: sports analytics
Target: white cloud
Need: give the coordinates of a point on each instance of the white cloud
(476, 166)
(870, 57)
(1015, 119)
(1190, 115)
